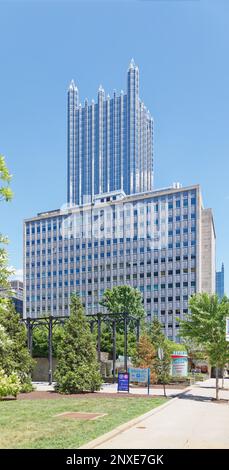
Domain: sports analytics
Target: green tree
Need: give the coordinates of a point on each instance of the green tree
(5, 195)
(162, 346)
(107, 340)
(40, 340)
(5, 344)
(78, 369)
(205, 326)
(5, 178)
(145, 356)
(18, 358)
(124, 300)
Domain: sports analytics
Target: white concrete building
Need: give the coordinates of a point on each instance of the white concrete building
(161, 242)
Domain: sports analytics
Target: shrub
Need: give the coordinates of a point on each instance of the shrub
(9, 385)
(17, 359)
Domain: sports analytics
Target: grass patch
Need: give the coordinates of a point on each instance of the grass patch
(31, 424)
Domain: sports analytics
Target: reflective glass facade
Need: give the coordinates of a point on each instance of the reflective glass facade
(220, 282)
(110, 143)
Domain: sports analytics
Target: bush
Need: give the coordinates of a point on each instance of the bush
(175, 380)
(16, 358)
(77, 369)
(26, 387)
(82, 380)
(9, 385)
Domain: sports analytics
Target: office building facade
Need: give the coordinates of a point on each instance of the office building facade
(160, 242)
(110, 143)
(17, 295)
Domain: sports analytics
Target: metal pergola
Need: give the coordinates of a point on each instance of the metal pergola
(112, 320)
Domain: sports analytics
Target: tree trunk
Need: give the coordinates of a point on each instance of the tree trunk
(217, 382)
(223, 380)
(164, 389)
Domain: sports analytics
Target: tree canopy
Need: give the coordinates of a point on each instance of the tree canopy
(205, 326)
(123, 299)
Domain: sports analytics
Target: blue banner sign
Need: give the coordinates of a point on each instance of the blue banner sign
(123, 382)
(138, 375)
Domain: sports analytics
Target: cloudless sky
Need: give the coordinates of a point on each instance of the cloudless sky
(181, 48)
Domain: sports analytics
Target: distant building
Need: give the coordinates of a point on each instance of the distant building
(219, 288)
(17, 296)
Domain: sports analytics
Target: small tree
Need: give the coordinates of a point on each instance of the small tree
(145, 356)
(160, 342)
(206, 325)
(18, 358)
(78, 369)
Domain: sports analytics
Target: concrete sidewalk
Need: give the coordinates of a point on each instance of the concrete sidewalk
(191, 420)
(112, 388)
(170, 392)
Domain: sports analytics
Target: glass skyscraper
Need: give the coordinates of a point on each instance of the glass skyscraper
(110, 143)
(219, 288)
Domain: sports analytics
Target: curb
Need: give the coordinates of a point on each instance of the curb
(123, 427)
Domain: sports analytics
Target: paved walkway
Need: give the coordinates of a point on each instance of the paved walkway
(191, 420)
(170, 392)
(112, 388)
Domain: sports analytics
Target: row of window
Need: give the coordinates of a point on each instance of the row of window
(136, 224)
(89, 294)
(121, 265)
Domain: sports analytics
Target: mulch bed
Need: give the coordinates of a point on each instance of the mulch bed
(53, 395)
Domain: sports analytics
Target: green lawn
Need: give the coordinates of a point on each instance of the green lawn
(31, 424)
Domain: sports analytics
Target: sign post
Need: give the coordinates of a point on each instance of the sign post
(140, 376)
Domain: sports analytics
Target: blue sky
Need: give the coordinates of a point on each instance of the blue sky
(181, 48)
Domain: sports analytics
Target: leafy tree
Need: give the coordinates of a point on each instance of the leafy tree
(205, 326)
(123, 299)
(159, 341)
(145, 356)
(40, 340)
(154, 330)
(78, 369)
(107, 340)
(5, 343)
(5, 178)
(173, 346)
(5, 195)
(17, 358)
